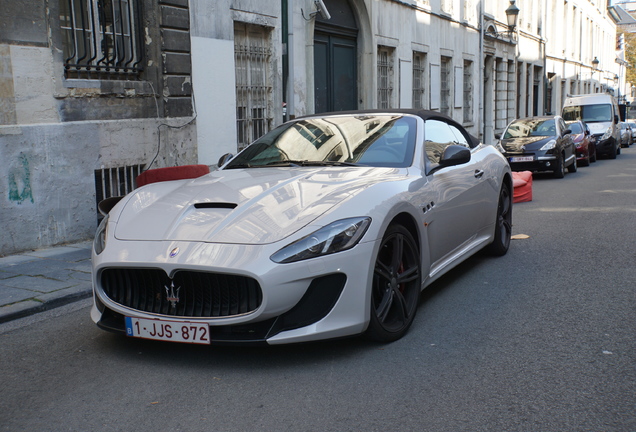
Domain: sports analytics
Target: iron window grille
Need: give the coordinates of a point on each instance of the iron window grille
(445, 91)
(419, 80)
(114, 182)
(385, 77)
(252, 54)
(468, 91)
(102, 39)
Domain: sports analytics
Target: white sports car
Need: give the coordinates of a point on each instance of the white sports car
(328, 226)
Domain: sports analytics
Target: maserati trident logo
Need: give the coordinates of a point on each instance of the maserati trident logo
(171, 295)
(174, 252)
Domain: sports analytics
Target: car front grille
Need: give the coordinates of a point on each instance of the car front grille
(187, 294)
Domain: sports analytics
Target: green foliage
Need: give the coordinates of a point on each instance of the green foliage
(630, 56)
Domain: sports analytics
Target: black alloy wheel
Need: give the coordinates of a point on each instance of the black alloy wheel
(395, 291)
(503, 223)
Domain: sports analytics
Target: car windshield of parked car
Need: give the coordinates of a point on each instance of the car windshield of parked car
(369, 140)
(530, 127)
(575, 127)
(588, 113)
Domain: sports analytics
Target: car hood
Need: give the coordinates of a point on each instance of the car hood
(530, 143)
(598, 128)
(251, 206)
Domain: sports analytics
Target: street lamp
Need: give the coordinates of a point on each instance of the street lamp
(595, 63)
(512, 13)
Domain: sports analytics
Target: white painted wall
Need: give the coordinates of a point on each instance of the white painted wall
(213, 83)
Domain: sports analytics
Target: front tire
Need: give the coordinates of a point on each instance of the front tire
(573, 166)
(503, 223)
(395, 291)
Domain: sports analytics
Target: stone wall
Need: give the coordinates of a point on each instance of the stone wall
(47, 179)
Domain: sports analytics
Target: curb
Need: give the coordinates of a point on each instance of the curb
(29, 307)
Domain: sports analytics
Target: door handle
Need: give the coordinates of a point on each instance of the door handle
(479, 173)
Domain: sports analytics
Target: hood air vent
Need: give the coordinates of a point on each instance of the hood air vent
(213, 205)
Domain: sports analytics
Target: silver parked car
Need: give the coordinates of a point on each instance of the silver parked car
(328, 226)
(626, 134)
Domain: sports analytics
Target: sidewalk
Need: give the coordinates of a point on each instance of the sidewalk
(35, 281)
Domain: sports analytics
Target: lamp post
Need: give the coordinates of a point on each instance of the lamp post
(595, 64)
(512, 13)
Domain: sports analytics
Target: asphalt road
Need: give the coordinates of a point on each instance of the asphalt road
(542, 339)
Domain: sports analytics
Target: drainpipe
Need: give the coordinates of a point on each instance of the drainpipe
(482, 65)
(290, 59)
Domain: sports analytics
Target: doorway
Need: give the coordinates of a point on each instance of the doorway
(335, 59)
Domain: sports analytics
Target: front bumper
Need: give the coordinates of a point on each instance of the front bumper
(320, 298)
(538, 163)
(605, 146)
(582, 152)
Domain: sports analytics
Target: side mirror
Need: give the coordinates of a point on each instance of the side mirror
(453, 155)
(106, 205)
(567, 132)
(497, 136)
(224, 159)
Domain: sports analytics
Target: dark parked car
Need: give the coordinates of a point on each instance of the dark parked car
(584, 142)
(626, 134)
(539, 144)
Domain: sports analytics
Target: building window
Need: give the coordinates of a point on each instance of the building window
(385, 77)
(468, 91)
(445, 88)
(419, 80)
(101, 38)
(252, 53)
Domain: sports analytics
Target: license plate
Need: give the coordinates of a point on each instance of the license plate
(174, 331)
(521, 159)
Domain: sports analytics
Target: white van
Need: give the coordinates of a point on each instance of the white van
(600, 112)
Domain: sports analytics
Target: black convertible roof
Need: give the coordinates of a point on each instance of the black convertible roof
(423, 114)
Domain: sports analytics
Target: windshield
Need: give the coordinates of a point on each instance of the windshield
(588, 113)
(369, 140)
(531, 127)
(575, 127)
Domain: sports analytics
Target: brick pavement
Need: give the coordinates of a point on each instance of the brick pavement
(34, 281)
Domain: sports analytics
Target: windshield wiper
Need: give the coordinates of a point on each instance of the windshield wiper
(235, 166)
(308, 163)
(284, 163)
(340, 163)
(298, 163)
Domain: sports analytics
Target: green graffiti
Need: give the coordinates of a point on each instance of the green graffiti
(20, 179)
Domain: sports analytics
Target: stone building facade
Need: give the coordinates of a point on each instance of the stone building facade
(93, 91)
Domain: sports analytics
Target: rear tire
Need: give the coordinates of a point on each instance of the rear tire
(559, 170)
(586, 162)
(503, 223)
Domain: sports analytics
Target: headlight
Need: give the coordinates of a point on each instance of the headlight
(499, 147)
(100, 236)
(336, 237)
(549, 145)
(607, 134)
